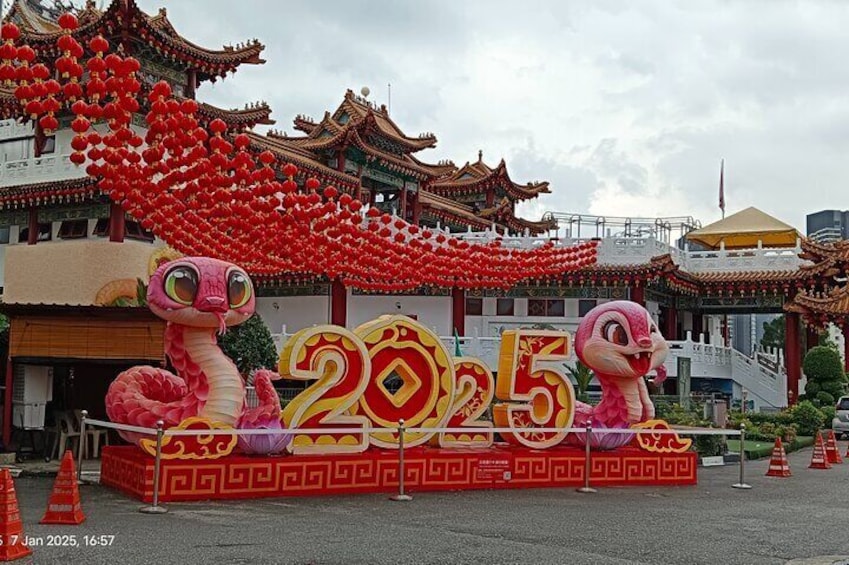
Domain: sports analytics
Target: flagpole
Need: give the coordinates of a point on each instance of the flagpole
(722, 188)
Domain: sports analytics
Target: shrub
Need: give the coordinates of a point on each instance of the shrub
(807, 417)
(824, 399)
(823, 364)
(828, 412)
(709, 446)
(824, 371)
(250, 346)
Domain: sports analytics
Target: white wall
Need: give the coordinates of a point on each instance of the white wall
(491, 325)
(432, 311)
(295, 312)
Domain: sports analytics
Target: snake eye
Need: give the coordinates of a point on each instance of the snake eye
(614, 332)
(181, 285)
(239, 289)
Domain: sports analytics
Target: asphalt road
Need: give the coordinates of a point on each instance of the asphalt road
(777, 521)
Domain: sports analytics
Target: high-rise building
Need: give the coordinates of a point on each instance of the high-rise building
(828, 225)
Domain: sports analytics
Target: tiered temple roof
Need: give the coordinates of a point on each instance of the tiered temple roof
(124, 21)
(476, 195)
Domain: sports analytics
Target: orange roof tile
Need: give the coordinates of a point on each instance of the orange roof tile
(40, 30)
(477, 177)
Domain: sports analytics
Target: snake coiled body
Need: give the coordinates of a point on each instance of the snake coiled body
(198, 297)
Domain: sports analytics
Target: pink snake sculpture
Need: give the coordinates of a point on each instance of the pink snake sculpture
(621, 344)
(198, 297)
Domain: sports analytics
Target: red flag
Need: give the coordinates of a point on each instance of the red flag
(722, 187)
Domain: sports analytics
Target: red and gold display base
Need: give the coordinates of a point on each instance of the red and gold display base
(127, 469)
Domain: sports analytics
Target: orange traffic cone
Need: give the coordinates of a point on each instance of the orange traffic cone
(64, 504)
(12, 544)
(819, 459)
(778, 465)
(831, 450)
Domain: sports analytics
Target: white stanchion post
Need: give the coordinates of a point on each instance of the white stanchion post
(155, 508)
(742, 483)
(587, 459)
(82, 449)
(401, 496)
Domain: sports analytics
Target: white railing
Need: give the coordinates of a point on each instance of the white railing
(640, 250)
(11, 129)
(756, 259)
(46, 168)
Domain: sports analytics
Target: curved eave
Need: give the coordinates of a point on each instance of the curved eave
(36, 194)
(244, 118)
(159, 37)
(303, 160)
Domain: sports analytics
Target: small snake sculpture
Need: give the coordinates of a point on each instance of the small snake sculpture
(199, 297)
(621, 344)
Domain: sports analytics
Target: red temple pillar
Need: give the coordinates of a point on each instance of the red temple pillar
(402, 207)
(792, 356)
(490, 198)
(117, 223)
(338, 303)
(670, 330)
(417, 209)
(7, 405)
(846, 346)
(812, 337)
(32, 225)
(458, 310)
(638, 295)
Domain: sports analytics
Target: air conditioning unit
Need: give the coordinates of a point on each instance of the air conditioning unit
(32, 389)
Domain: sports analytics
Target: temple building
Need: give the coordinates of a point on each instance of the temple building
(360, 149)
(69, 254)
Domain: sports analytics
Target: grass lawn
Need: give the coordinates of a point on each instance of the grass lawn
(757, 449)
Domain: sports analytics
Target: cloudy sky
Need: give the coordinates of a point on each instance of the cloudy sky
(626, 108)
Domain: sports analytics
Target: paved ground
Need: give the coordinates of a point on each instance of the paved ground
(777, 521)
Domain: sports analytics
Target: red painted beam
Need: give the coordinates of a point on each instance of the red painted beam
(458, 310)
(338, 303)
(792, 356)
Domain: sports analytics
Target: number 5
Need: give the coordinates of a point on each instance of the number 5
(535, 397)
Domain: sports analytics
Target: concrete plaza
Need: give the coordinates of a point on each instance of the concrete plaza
(777, 521)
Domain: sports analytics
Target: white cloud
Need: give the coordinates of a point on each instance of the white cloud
(627, 108)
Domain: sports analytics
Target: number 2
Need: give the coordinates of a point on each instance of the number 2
(339, 363)
(474, 390)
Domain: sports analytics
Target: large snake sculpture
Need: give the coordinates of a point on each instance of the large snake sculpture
(199, 297)
(621, 344)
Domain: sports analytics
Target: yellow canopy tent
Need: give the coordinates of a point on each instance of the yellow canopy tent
(744, 229)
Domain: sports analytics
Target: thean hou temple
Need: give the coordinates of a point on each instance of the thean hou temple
(64, 240)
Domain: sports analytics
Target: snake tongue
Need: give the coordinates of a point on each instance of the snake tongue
(222, 326)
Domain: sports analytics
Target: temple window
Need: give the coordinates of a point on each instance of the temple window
(584, 307)
(49, 145)
(4, 233)
(101, 229)
(546, 307)
(135, 231)
(343, 118)
(474, 307)
(45, 232)
(73, 229)
(504, 307)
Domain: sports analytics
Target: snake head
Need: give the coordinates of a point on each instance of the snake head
(620, 339)
(201, 292)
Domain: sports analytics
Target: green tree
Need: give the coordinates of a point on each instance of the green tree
(582, 375)
(824, 371)
(250, 346)
(773, 334)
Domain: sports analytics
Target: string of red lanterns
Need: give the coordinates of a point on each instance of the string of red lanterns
(206, 194)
